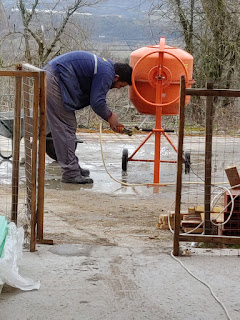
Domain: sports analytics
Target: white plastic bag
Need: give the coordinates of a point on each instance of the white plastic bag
(12, 252)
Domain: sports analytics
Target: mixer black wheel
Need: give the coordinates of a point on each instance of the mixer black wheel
(124, 159)
(187, 162)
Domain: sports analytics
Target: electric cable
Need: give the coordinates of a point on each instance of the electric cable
(230, 202)
(204, 283)
(211, 209)
(189, 232)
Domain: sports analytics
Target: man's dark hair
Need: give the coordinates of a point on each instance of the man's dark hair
(124, 71)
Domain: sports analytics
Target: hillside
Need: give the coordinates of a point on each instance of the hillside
(109, 21)
(119, 27)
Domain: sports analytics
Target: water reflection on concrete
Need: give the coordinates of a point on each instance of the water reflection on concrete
(6, 172)
(225, 153)
(90, 157)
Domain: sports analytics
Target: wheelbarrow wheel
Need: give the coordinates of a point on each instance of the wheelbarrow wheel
(50, 150)
(124, 159)
(187, 162)
(7, 153)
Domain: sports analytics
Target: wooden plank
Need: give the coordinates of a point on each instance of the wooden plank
(212, 92)
(208, 161)
(172, 214)
(30, 67)
(18, 73)
(233, 177)
(45, 241)
(190, 222)
(215, 216)
(209, 239)
(191, 210)
(177, 217)
(215, 209)
(192, 231)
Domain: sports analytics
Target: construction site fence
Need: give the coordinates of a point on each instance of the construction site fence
(22, 148)
(207, 201)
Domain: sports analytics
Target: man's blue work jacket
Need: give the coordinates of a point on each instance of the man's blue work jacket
(84, 80)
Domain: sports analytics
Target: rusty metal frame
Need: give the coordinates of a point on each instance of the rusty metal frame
(209, 93)
(37, 166)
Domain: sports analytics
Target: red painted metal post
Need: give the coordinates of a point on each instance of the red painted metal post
(158, 127)
(157, 132)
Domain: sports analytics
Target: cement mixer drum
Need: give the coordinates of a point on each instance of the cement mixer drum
(156, 77)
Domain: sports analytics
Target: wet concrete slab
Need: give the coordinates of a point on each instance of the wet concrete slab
(115, 283)
(225, 153)
(138, 172)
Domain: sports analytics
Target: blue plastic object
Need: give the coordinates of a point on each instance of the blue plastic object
(3, 233)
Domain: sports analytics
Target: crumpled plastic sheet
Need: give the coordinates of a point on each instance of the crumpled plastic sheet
(12, 253)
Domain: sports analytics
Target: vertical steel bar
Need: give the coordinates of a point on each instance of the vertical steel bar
(34, 163)
(208, 160)
(156, 177)
(158, 126)
(177, 216)
(16, 148)
(41, 157)
(27, 141)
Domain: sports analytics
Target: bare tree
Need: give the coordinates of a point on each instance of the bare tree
(177, 19)
(222, 20)
(186, 20)
(3, 19)
(3, 24)
(46, 30)
(211, 33)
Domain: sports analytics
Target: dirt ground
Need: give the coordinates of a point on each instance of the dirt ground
(103, 219)
(106, 213)
(109, 261)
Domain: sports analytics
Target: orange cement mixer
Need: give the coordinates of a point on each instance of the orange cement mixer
(155, 90)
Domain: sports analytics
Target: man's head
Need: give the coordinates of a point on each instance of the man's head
(123, 75)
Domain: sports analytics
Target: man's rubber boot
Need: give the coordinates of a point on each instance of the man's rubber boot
(77, 180)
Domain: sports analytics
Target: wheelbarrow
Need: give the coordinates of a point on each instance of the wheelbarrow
(6, 130)
(50, 150)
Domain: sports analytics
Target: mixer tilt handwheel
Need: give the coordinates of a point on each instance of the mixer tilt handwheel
(165, 71)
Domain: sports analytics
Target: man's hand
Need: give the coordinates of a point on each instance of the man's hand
(114, 124)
